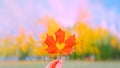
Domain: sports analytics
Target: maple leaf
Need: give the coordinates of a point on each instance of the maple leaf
(69, 43)
(60, 45)
(52, 49)
(60, 36)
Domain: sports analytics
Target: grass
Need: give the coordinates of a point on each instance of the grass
(67, 64)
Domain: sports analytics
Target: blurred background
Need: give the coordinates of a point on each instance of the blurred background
(25, 23)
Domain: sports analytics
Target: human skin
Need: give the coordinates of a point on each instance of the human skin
(55, 64)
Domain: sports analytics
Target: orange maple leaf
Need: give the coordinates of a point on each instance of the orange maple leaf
(60, 45)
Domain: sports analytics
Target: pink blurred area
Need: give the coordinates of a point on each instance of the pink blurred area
(17, 14)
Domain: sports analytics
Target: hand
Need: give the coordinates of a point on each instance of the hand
(55, 64)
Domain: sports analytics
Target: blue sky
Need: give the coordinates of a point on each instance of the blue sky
(113, 4)
(15, 14)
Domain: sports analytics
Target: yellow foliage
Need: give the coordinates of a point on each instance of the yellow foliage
(119, 46)
(86, 38)
(50, 25)
(38, 51)
(23, 47)
(113, 42)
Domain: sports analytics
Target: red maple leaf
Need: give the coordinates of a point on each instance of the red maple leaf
(60, 45)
